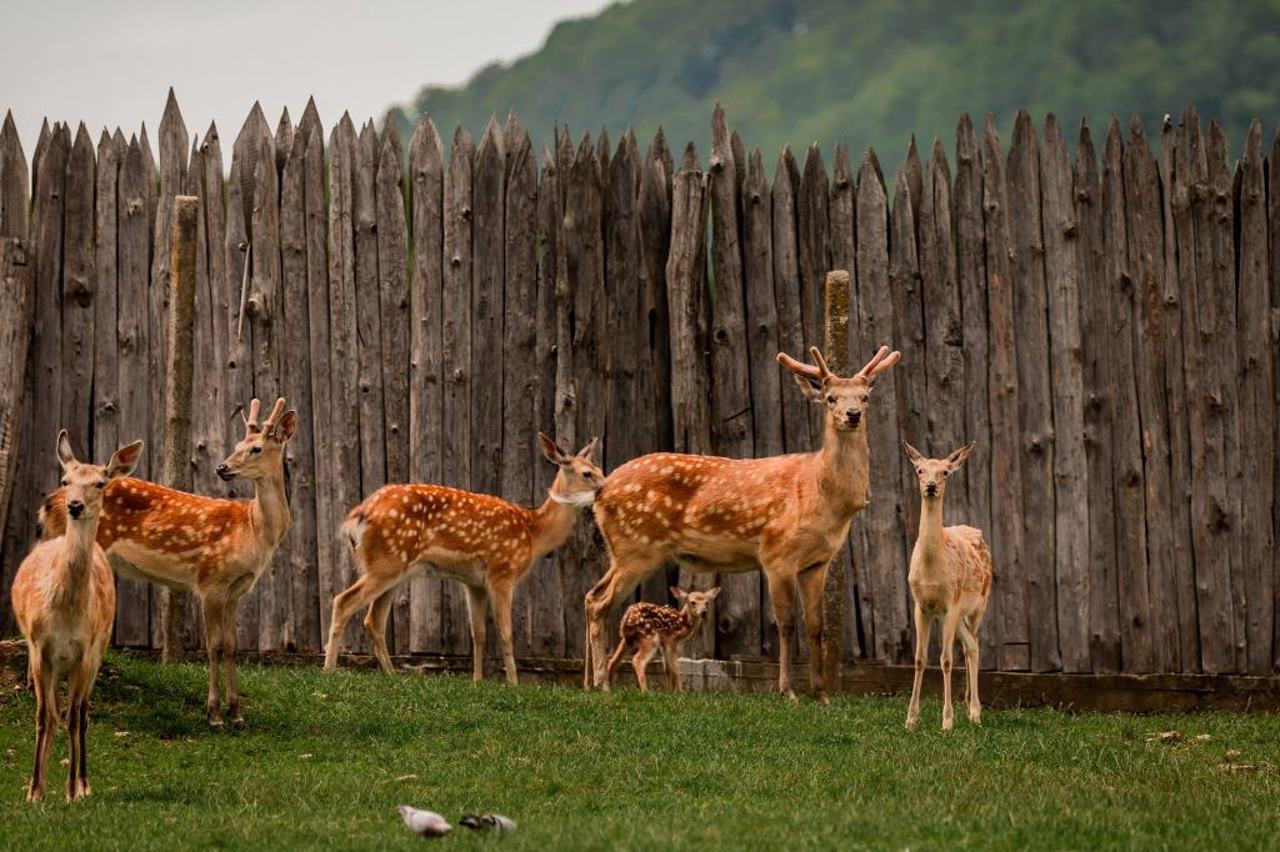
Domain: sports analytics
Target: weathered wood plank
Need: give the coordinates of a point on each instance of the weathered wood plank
(883, 592)
(761, 308)
(373, 431)
(813, 245)
(78, 292)
(1070, 468)
(487, 313)
(544, 591)
(521, 381)
(47, 228)
(426, 381)
(344, 376)
(106, 351)
(786, 283)
(1273, 270)
(971, 277)
(456, 353)
(1099, 387)
(15, 339)
(835, 344)
(1035, 411)
(1257, 403)
(738, 608)
(14, 198)
(174, 145)
(393, 290)
(1002, 383)
(133, 330)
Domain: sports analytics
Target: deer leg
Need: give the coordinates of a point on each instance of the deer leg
(229, 661)
(671, 661)
(782, 589)
(213, 606)
(615, 660)
(345, 605)
(811, 583)
(970, 643)
(923, 625)
(477, 608)
(46, 688)
(375, 624)
(949, 623)
(502, 593)
(77, 705)
(617, 583)
(84, 754)
(646, 646)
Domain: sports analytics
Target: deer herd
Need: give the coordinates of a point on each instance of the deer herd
(786, 516)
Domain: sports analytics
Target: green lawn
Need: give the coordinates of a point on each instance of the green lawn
(326, 759)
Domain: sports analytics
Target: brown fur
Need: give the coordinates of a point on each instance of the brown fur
(786, 515)
(484, 542)
(64, 600)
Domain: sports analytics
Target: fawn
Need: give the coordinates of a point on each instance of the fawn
(950, 579)
(648, 626)
(216, 547)
(786, 515)
(484, 542)
(64, 599)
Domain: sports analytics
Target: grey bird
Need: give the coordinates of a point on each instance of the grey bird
(424, 823)
(488, 822)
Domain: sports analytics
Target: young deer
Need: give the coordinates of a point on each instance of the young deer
(215, 547)
(484, 542)
(950, 579)
(648, 626)
(64, 599)
(787, 515)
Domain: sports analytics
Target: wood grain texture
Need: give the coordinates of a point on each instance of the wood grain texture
(15, 339)
(786, 282)
(487, 313)
(1035, 401)
(14, 177)
(1070, 471)
(813, 254)
(1010, 584)
(1273, 274)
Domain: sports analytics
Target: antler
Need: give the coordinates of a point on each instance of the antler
(881, 361)
(809, 371)
(251, 424)
(270, 424)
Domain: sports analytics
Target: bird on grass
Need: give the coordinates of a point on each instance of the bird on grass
(424, 823)
(488, 822)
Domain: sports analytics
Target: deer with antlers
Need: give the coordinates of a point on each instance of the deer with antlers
(215, 547)
(786, 515)
(950, 579)
(484, 542)
(64, 600)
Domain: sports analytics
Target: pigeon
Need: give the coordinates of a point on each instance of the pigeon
(424, 823)
(488, 822)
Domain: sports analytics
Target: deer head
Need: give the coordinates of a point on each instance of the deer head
(932, 473)
(695, 603)
(260, 451)
(845, 400)
(579, 478)
(84, 483)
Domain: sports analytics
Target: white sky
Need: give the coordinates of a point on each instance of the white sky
(111, 62)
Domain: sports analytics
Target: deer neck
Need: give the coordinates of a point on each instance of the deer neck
(843, 467)
(691, 621)
(929, 542)
(271, 517)
(76, 560)
(552, 522)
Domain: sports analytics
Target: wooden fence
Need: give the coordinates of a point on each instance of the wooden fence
(1104, 326)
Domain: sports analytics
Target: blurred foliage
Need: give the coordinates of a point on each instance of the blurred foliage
(874, 71)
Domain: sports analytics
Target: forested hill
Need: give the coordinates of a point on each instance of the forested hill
(873, 71)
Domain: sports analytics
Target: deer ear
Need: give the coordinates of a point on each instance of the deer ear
(712, 594)
(287, 426)
(911, 452)
(811, 388)
(957, 459)
(678, 593)
(124, 460)
(65, 454)
(549, 448)
(585, 452)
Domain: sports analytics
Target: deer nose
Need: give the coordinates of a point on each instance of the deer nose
(853, 417)
(931, 488)
(223, 471)
(75, 508)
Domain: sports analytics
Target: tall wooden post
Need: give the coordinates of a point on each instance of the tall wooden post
(177, 400)
(835, 347)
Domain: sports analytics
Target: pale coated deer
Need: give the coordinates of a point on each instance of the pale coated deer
(64, 599)
(215, 547)
(484, 542)
(650, 626)
(786, 515)
(950, 579)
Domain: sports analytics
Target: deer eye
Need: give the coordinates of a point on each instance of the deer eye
(64, 483)
(919, 471)
(831, 400)
(586, 474)
(256, 450)
(102, 484)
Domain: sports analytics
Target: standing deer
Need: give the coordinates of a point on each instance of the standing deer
(786, 515)
(950, 579)
(64, 599)
(484, 542)
(215, 547)
(649, 626)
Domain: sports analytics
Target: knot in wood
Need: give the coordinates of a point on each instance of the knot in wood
(717, 165)
(255, 306)
(1070, 230)
(242, 245)
(455, 261)
(1084, 195)
(842, 183)
(466, 213)
(755, 198)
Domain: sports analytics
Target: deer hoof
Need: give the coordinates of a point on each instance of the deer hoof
(821, 698)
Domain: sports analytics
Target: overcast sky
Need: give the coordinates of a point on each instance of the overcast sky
(111, 63)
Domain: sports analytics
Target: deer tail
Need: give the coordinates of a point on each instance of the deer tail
(353, 529)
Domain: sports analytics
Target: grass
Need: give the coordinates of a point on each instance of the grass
(325, 759)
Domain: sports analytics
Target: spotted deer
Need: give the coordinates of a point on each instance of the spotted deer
(484, 542)
(950, 579)
(215, 547)
(785, 515)
(64, 599)
(650, 626)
